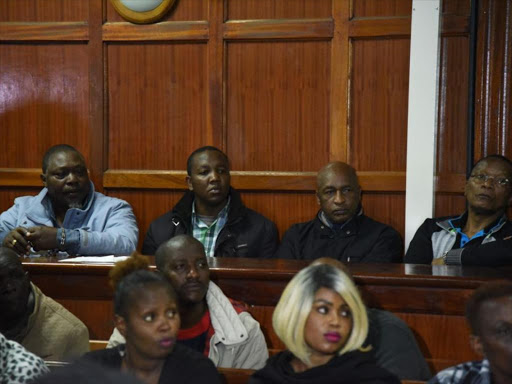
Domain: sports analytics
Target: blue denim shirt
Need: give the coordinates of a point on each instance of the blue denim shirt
(105, 226)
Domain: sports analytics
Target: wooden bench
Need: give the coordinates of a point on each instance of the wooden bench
(431, 300)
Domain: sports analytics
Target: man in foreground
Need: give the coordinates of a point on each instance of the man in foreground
(341, 230)
(38, 323)
(68, 215)
(489, 313)
(480, 236)
(211, 323)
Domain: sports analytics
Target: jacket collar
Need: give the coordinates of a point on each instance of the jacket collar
(183, 209)
(42, 209)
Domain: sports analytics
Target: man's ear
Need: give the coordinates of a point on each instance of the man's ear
(120, 324)
(317, 198)
(189, 183)
(43, 178)
(476, 345)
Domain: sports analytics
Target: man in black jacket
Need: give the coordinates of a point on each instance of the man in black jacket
(341, 230)
(213, 213)
(480, 236)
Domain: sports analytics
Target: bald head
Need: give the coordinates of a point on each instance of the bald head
(177, 245)
(9, 258)
(337, 168)
(338, 192)
(183, 260)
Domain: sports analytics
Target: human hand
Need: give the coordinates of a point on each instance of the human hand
(439, 261)
(42, 238)
(17, 241)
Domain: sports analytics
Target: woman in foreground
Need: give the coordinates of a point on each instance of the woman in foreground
(146, 314)
(322, 321)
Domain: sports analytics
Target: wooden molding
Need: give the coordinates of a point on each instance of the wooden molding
(398, 26)
(279, 29)
(454, 25)
(170, 30)
(56, 31)
(272, 181)
(20, 177)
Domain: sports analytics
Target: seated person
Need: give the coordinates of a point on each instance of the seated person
(17, 365)
(480, 236)
(86, 372)
(322, 321)
(146, 314)
(340, 229)
(392, 342)
(68, 215)
(40, 324)
(211, 323)
(213, 213)
(489, 314)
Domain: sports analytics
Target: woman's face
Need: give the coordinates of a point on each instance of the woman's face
(151, 325)
(328, 326)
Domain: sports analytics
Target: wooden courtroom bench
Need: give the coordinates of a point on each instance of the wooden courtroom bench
(430, 299)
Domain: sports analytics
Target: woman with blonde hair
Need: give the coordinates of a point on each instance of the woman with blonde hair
(323, 323)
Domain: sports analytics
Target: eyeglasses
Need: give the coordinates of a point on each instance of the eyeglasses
(501, 182)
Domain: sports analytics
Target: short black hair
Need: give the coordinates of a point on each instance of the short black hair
(502, 158)
(201, 150)
(57, 149)
(142, 279)
(486, 292)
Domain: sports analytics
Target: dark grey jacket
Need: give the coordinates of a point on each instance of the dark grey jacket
(361, 240)
(246, 233)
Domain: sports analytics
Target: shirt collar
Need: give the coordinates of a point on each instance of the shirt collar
(459, 222)
(222, 215)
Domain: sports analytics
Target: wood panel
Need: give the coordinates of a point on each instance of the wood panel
(381, 8)
(378, 123)
(263, 76)
(387, 208)
(43, 10)
(493, 105)
(278, 9)
(43, 101)
(157, 104)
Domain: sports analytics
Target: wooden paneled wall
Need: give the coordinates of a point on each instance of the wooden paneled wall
(283, 86)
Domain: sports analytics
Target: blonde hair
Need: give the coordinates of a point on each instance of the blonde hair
(292, 311)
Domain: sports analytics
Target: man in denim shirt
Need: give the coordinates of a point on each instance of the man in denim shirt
(68, 215)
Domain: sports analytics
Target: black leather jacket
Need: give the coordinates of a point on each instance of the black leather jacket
(245, 234)
(361, 240)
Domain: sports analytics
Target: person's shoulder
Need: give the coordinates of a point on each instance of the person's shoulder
(101, 199)
(372, 224)
(303, 226)
(109, 357)
(190, 357)
(59, 316)
(460, 372)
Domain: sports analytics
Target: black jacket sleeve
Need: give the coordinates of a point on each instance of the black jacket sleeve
(269, 240)
(289, 247)
(420, 250)
(493, 254)
(387, 249)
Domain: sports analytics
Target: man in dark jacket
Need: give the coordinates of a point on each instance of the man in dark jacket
(480, 236)
(341, 230)
(213, 213)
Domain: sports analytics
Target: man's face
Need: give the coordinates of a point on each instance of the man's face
(490, 196)
(209, 178)
(14, 290)
(495, 340)
(338, 195)
(189, 274)
(67, 179)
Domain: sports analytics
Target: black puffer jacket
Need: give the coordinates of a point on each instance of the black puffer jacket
(246, 233)
(361, 240)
